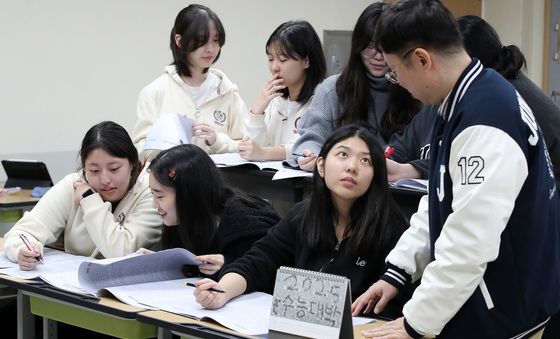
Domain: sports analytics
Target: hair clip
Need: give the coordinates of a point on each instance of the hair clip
(172, 174)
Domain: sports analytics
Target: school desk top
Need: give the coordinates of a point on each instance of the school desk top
(21, 198)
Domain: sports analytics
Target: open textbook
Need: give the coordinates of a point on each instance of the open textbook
(234, 159)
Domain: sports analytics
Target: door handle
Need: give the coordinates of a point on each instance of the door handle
(557, 52)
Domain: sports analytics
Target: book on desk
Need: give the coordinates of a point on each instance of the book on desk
(235, 160)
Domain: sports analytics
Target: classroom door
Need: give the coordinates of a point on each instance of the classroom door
(336, 46)
(552, 47)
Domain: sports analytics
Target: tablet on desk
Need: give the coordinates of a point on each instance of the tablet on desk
(26, 174)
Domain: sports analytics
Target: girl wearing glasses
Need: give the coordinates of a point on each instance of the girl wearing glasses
(361, 93)
(297, 65)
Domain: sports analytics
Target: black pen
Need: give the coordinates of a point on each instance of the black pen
(301, 155)
(210, 289)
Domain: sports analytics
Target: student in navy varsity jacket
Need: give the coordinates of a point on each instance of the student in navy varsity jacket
(487, 250)
(411, 156)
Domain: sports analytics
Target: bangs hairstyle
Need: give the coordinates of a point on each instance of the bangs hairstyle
(199, 191)
(193, 25)
(482, 42)
(113, 139)
(374, 217)
(352, 85)
(408, 24)
(298, 40)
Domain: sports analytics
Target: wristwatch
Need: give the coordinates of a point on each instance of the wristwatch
(87, 193)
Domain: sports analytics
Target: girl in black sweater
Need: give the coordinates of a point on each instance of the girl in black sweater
(347, 226)
(201, 213)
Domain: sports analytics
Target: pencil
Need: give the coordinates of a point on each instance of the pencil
(210, 289)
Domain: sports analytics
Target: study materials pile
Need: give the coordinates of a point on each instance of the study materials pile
(149, 281)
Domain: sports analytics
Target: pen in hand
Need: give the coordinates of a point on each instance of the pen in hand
(212, 289)
(300, 155)
(28, 245)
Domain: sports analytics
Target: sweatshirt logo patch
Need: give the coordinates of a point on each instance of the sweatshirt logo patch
(219, 117)
(361, 262)
(120, 218)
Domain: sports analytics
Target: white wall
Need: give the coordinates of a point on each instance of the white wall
(521, 23)
(68, 64)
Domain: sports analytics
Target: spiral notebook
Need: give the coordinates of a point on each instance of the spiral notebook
(310, 304)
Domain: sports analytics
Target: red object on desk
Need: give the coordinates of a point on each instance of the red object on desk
(388, 151)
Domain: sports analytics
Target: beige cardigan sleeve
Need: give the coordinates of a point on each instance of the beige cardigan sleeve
(133, 224)
(46, 221)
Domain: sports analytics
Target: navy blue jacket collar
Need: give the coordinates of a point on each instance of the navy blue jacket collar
(469, 74)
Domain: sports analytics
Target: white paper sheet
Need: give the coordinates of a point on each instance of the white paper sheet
(168, 131)
(54, 262)
(248, 314)
(286, 173)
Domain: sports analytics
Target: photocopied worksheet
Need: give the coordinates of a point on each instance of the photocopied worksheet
(157, 266)
(55, 262)
(86, 275)
(248, 314)
(149, 281)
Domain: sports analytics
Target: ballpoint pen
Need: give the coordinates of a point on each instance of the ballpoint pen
(28, 245)
(210, 289)
(295, 154)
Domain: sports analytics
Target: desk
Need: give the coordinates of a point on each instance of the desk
(169, 323)
(292, 190)
(18, 200)
(259, 182)
(12, 207)
(184, 326)
(107, 315)
(359, 328)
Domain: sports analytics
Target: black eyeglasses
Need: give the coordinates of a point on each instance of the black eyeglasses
(392, 74)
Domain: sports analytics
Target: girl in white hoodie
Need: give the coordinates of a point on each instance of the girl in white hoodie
(190, 87)
(297, 65)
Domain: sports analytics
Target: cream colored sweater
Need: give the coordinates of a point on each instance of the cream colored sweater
(90, 228)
